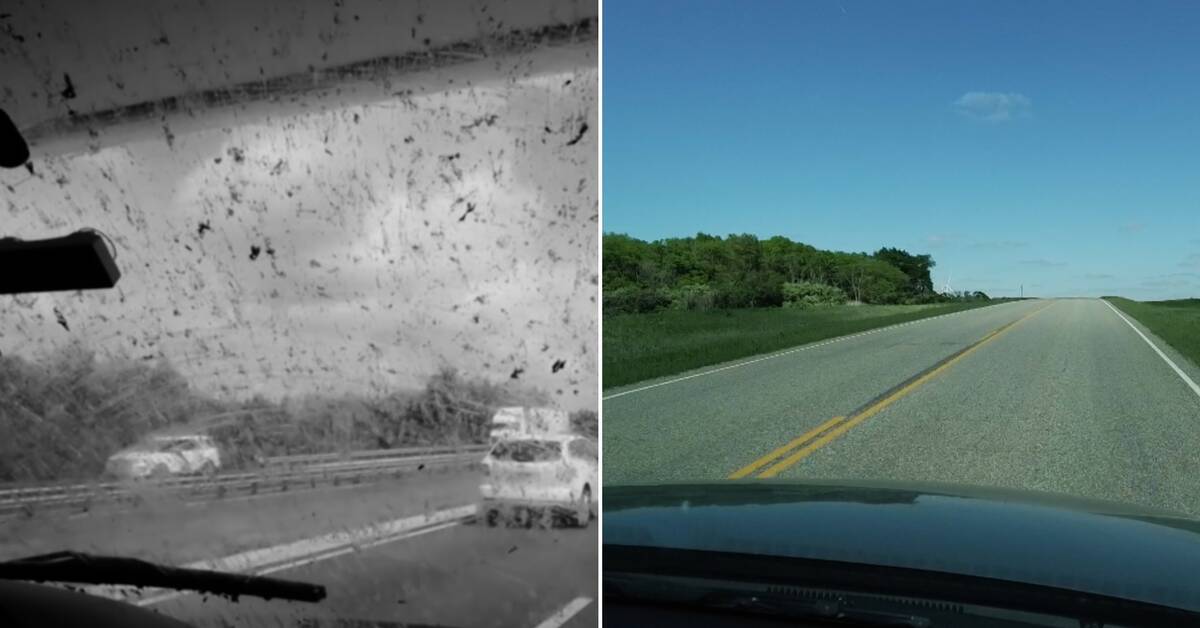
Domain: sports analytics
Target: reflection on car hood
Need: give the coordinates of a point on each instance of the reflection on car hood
(1038, 538)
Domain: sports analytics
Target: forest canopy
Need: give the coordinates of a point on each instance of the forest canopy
(742, 271)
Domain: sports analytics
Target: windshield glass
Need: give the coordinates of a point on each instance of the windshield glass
(348, 233)
(583, 449)
(527, 451)
(921, 244)
(173, 445)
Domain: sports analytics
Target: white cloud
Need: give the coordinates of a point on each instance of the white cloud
(1166, 282)
(999, 244)
(937, 240)
(994, 106)
(1042, 263)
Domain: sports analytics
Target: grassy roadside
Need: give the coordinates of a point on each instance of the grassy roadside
(638, 347)
(1176, 322)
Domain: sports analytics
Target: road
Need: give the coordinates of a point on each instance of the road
(452, 572)
(463, 575)
(172, 528)
(1054, 395)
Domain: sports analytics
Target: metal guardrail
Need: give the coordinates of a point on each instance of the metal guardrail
(300, 460)
(373, 454)
(277, 474)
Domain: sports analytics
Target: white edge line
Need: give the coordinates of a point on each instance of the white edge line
(259, 558)
(1178, 371)
(782, 353)
(564, 614)
(296, 552)
(354, 548)
(165, 597)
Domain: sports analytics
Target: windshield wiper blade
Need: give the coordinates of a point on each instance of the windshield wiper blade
(82, 568)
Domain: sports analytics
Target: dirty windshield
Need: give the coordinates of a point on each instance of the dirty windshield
(347, 234)
(527, 451)
(170, 445)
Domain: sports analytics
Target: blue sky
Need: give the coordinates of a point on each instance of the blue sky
(1053, 145)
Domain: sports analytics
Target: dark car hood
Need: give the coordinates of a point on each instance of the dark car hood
(1093, 546)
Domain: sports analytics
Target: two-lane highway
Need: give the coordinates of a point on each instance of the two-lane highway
(403, 550)
(1056, 395)
(462, 575)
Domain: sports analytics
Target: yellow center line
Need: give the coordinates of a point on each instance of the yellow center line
(840, 427)
(795, 442)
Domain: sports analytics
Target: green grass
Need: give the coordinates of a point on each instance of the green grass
(1176, 322)
(643, 346)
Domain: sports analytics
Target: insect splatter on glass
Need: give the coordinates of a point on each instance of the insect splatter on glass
(349, 236)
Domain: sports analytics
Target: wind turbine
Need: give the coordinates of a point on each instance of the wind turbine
(947, 289)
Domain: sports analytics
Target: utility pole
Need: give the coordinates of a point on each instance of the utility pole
(1022, 291)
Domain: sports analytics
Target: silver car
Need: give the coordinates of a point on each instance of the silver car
(163, 456)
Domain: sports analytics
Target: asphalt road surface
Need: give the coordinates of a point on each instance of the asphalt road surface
(169, 528)
(1054, 395)
(463, 575)
(450, 573)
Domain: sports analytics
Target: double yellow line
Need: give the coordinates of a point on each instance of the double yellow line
(800, 447)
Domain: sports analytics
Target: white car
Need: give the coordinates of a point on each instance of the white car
(163, 456)
(552, 473)
(518, 422)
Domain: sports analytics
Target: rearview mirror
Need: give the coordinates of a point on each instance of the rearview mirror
(80, 261)
(14, 152)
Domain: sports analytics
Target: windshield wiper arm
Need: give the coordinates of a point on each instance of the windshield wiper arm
(81, 568)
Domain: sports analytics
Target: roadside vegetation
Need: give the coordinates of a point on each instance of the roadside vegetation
(643, 346)
(1176, 322)
(740, 271)
(683, 303)
(63, 417)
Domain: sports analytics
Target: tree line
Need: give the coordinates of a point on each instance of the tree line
(741, 271)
